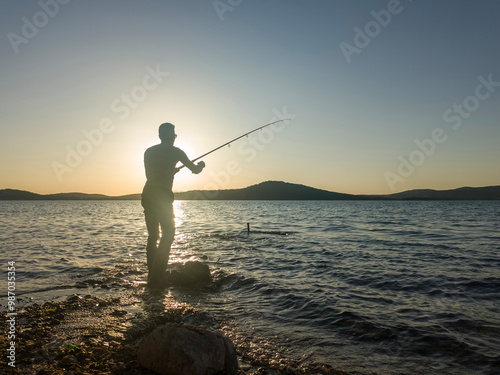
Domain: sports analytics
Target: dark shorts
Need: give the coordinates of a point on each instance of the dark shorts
(158, 209)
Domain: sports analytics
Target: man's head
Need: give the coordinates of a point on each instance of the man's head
(166, 132)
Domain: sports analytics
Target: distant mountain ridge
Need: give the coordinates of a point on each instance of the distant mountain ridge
(463, 193)
(13, 194)
(275, 190)
(268, 190)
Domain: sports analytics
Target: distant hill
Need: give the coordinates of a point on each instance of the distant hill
(75, 196)
(275, 190)
(12, 194)
(464, 193)
(269, 190)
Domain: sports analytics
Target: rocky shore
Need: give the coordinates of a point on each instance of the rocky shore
(90, 334)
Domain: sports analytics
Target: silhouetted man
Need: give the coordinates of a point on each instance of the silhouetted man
(157, 197)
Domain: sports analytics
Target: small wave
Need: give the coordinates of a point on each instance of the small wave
(48, 289)
(236, 282)
(486, 285)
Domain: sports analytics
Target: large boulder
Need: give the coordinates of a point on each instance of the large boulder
(178, 350)
(190, 274)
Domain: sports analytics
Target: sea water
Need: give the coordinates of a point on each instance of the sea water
(370, 287)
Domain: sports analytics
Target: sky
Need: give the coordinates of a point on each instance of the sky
(378, 96)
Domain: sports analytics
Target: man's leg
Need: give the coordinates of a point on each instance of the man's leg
(152, 223)
(167, 238)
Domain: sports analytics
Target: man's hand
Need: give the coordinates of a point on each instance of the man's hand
(199, 167)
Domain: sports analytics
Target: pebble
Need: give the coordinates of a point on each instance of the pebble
(69, 361)
(118, 312)
(74, 298)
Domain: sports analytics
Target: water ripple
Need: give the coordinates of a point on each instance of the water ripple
(400, 287)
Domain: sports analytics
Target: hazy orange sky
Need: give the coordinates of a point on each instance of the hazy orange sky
(383, 96)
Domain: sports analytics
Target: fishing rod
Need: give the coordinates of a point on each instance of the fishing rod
(231, 141)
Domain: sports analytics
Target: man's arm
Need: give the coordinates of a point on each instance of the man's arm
(195, 168)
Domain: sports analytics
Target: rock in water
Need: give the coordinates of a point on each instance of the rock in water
(177, 350)
(191, 274)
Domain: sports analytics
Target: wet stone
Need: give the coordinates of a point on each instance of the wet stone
(74, 298)
(118, 313)
(176, 350)
(69, 361)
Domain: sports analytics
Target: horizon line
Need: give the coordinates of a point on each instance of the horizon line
(290, 183)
